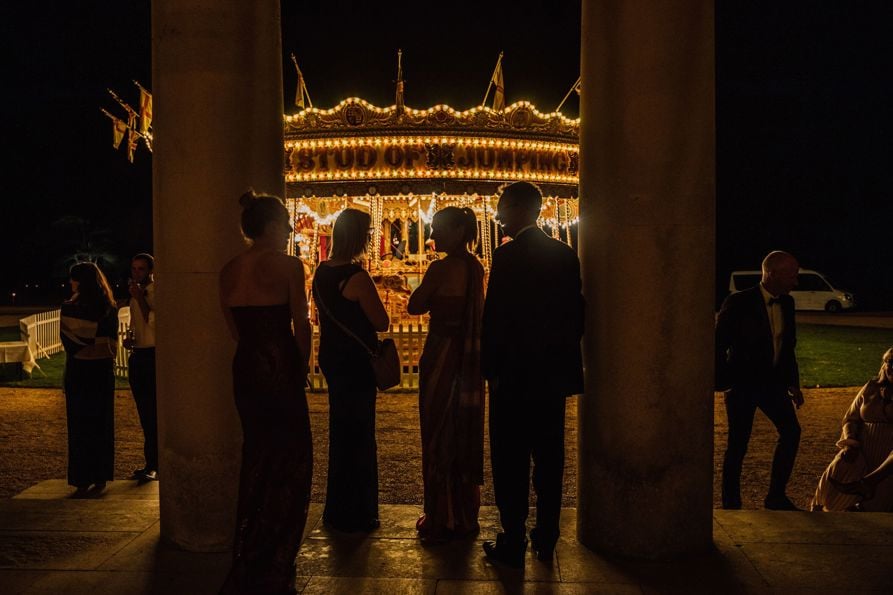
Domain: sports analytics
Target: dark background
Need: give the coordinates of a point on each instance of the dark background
(803, 119)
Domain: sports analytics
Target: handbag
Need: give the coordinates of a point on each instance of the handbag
(384, 358)
(386, 364)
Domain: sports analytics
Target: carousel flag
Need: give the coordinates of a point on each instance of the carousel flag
(496, 80)
(499, 93)
(133, 138)
(399, 98)
(145, 110)
(131, 113)
(119, 127)
(301, 90)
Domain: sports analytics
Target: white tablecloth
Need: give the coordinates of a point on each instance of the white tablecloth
(12, 352)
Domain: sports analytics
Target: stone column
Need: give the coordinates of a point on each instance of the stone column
(217, 86)
(647, 249)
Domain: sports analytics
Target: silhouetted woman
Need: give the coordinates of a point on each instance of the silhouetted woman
(263, 296)
(89, 330)
(865, 444)
(346, 298)
(451, 388)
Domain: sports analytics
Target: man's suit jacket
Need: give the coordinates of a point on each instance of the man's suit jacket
(533, 316)
(744, 350)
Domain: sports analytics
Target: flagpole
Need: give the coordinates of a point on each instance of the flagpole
(574, 86)
(115, 118)
(399, 99)
(130, 111)
(302, 86)
(492, 76)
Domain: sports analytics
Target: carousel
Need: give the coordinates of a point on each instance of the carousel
(401, 165)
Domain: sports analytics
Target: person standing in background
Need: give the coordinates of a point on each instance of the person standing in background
(141, 364)
(89, 333)
(756, 367)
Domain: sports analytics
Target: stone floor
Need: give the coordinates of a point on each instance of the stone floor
(51, 544)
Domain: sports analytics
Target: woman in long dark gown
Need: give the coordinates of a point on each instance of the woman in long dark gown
(89, 332)
(262, 293)
(345, 296)
(451, 388)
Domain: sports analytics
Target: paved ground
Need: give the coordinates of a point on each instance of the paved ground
(52, 545)
(33, 444)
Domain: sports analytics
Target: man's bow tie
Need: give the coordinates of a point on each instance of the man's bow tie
(774, 300)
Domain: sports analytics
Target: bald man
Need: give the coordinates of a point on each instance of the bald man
(757, 368)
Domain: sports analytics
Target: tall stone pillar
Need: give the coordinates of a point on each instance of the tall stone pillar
(217, 87)
(647, 250)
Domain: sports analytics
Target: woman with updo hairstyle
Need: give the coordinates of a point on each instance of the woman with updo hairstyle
(264, 304)
(350, 313)
(89, 333)
(451, 387)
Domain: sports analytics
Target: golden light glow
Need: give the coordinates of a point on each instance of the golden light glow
(467, 141)
(416, 174)
(462, 115)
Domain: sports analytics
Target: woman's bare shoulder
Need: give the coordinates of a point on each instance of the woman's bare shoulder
(231, 266)
(285, 261)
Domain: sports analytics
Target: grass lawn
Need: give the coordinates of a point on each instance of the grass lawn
(840, 355)
(829, 356)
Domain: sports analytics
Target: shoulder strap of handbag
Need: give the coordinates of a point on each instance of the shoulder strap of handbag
(328, 312)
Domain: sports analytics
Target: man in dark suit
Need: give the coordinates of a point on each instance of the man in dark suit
(757, 368)
(530, 352)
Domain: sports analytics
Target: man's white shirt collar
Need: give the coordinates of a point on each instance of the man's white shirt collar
(766, 295)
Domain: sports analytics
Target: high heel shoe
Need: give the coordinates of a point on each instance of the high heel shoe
(81, 491)
(859, 487)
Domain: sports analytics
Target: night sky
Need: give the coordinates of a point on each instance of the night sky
(803, 117)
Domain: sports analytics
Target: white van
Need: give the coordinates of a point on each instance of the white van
(813, 292)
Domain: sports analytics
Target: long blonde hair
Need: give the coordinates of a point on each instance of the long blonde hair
(350, 234)
(881, 376)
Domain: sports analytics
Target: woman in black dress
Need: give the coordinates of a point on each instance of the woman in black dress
(262, 294)
(345, 296)
(89, 332)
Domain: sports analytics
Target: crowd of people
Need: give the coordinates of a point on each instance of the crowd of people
(530, 362)
(469, 339)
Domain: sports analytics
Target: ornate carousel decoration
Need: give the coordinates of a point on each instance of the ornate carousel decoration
(402, 165)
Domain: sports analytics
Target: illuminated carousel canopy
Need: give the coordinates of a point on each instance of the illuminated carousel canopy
(402, 165)
(358, 149)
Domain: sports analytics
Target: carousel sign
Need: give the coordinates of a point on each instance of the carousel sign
(409, 156)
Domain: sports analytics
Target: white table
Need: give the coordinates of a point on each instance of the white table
(17, 352)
